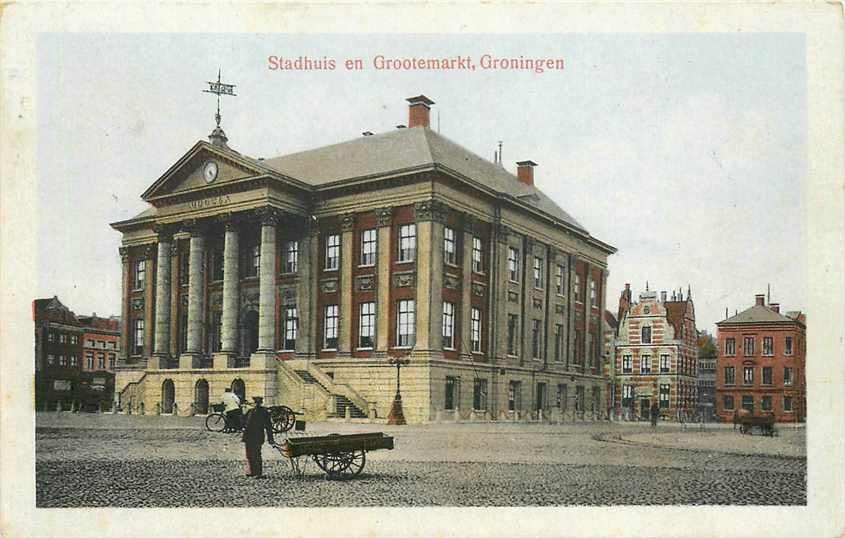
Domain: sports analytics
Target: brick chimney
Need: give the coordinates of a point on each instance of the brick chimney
(525, 171)
(418, 108)
(775, 307)
(760, 299)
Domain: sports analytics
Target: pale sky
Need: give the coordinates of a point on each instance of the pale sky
(686, 152)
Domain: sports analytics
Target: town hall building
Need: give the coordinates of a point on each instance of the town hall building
(298, 277)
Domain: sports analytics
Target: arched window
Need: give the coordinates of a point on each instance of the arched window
(168, 396)
(201, 397)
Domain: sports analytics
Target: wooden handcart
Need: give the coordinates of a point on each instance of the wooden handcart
(339, 456)
(764, 423)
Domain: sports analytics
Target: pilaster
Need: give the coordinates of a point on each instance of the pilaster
(466, 291)
(305, 292)
(430, 216)
(347, 245)
(384, 218)
(126, 278)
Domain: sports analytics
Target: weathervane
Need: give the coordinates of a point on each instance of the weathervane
(219, 88)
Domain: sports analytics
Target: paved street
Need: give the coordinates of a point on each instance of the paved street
(127, 461)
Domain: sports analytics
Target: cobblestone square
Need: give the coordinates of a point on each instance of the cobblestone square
(148, 461)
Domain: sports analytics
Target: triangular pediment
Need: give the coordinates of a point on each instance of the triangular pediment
(188, 173)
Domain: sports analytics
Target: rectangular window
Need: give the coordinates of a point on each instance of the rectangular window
(787, 376)
(766, 403)
(748, 402)
(730, 347)
(664, 364)
(627, 364)
(593, 296)
(535, 338)
(538, 272)
(748, 346)
(101, 361)
(664, 396)
(767, 375)
(63, 339)
(730, 375)
(513, 264)
(748, 375)
(514, 396)
(89, 361)
(787, 348)
(111, 361)
(479, 394)
(768, 346)
(405, 323)
(407, 242)
(475, 330)
(728, 403)
(448, 325)
(368, 247)
(51, 360)
(561, 397)
(254, 260)
(51, 337)
(577, 287)
(477, 255)
(366, 325)
(558, 342)
(645, 335)
(452, 392)
(627, 395)
(332, 252)
(542, 397)
(645, 364)
(140, 274)
(291, 327)
(512, 329)
(787, 404)
(138, 337)
(559, 280)
(217, 263)
(74, 339)
(62, 360)
(330, 320)
(449, 251)
(291, 262)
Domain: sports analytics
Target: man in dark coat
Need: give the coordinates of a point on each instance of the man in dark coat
(257, 424)
(655, 414)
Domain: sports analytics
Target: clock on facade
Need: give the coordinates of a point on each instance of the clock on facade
(209, 171)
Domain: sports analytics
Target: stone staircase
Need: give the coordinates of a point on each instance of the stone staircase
(341, 402)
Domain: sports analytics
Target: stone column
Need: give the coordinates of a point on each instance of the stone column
(306, 292)
(571, 317)
(526, 296)
(193, 354)
(126, 278)
(499, 285)
(229, 331)
(430, 216)
(263, 357)
(384, 217)
(161, 351)
(347, 245)
(174, 298)
(466, 291)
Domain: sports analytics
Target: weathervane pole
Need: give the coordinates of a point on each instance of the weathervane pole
(219, 88)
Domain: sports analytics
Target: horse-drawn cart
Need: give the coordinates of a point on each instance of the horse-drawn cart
(339, 456)
(764, 423)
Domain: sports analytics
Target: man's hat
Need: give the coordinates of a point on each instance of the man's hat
(258, 399)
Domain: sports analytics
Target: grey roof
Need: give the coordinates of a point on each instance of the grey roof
(756, 313)
(404, 149)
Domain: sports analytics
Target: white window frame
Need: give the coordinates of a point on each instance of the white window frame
(450, 254)
(138, 329)
(405, 323)
(477, 255)
(787, 379)
(448, 328)
(407, 243)
(475, 330)
(139, 274)
(746, 378)
(731, 369)
(332, 261)
(730, 346)
(763, 375)
(745, 346)
(513, 264)
(290, 331)
(536, 339)
(788, 345)
(367, 324)
(559, 288)
(667, 361)
(369, 248)
(291, 261)
(771, 346)
(593, 293)
(577, 288)
(538, 273)
(331, 320)
(645, 364)
(89, 360)
(627, 364)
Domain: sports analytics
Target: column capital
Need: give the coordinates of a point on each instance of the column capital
(471, 223)
(146, 251)
(503, 232)
(269, 216)
(312, 227)
(195, 227)
(347, 222)
(430, 210)
(229, 220)
(124, 254)
(384, 216)
(164, 231)
(174, 249)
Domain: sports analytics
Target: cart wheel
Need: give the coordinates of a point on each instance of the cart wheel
(283, 420)
(334, 463)
(215, 422)
(355, 462)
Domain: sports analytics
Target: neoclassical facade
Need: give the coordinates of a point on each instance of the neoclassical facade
(298, 277)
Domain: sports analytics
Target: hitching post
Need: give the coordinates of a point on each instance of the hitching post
(396, 415)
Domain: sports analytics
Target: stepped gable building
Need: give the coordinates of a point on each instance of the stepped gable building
(58, 348)
(761, 363)
(296, 278)
(656, 354)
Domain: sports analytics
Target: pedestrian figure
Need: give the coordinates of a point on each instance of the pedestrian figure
(655, 413)
(233, 410)
(257, 424)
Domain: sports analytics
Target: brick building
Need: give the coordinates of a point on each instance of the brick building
(297, 277)
(656, 354)
(707, 374)
(58, 349)
(100, 343)
(761, 362)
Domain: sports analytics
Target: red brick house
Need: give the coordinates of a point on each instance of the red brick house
(761, 363)
(58, 349)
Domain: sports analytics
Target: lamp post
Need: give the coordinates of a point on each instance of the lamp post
(396, 415)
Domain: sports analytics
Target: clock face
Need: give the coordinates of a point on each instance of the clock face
(210, 171)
